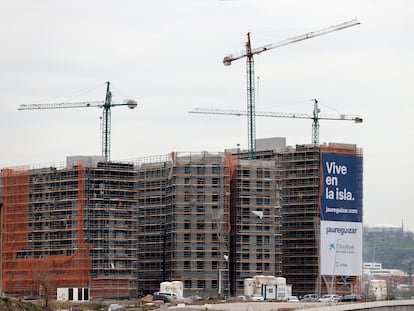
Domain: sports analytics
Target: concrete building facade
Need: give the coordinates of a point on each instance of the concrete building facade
(255, 236)
(183, 222)
(210, 220)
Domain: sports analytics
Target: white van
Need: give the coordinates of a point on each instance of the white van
(310, 297)
(171, 296)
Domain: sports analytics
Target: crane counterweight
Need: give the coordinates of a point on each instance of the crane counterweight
(227, 60)
(132, 104)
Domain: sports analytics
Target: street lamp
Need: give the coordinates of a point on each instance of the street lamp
(334, 265)
(220, 276)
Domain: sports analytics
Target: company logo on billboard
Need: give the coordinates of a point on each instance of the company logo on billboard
(341, 230)
(341, 247)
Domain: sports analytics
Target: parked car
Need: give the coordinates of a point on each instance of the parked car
(172, 297)
(116, 307)
(292, 299)
(351, 297)
(330, 298)
(193, 298)
(257, 297)
(310, 298)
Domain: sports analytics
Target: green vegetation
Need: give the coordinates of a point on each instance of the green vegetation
(393, 250)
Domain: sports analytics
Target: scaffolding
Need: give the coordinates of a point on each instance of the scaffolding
(299, 171)
(110, 216)
(69, 227)
(299, 175)
(33, 243)
(209, 220)
(256, 222)
(183, 216)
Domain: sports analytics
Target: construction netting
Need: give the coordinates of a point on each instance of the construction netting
(24, 271)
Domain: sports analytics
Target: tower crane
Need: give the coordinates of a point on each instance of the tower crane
(249, 53)
(315, 116)
(106, 115)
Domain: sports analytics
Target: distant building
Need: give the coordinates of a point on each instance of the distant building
(394, 278)
(384, 229)
(375, 268)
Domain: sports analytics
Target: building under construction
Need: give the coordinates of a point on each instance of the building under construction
(207, 220)
(70, 227)
(299, 183)
(183, 222)
(210, 220)
(255, 233)
(301, 179)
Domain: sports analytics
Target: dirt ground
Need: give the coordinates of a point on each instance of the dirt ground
(12, 304)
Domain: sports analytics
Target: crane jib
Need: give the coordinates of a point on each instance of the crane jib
(305, 36)
(106, 119)
(232, 57)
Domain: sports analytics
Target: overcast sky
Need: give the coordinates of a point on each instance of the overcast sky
(168, 55)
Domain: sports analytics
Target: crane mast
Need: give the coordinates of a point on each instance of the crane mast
(315, 116)
(249, 53)
(106, 125)
(251, 115)
(315, 122)
(106, 114)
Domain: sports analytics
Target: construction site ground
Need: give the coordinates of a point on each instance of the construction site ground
(12, 304)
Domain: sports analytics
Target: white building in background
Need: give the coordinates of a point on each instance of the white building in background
(376, 269)
(374, 276)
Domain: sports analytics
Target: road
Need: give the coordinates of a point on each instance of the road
(248, 306)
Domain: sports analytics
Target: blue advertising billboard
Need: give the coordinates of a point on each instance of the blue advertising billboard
(341, 182)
